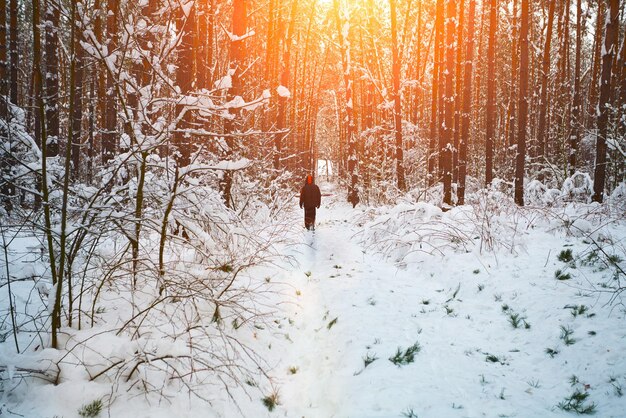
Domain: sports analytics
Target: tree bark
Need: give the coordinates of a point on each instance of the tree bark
(76, 83)
(575, 122)
(459, 90)
(434, 125)
(397, 107)
(610, 35)
(52, 77)
(592, 113)
(510, 125)
(186, 25)
(467, 103)
(545, 72)
(520, 159)
(491, 93)
(109, 136)
(4, 87)
(14, 52)
(200, 45)
(448, 134)
(622, 88)
(285, 80)
(344, 45)
(237, 57)
(41, 140)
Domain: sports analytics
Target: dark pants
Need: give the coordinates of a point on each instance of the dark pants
(309, 218)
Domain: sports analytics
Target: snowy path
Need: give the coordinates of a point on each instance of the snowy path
(351, 304)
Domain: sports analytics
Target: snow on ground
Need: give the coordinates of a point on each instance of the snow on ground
(347, 301)
(352, 304)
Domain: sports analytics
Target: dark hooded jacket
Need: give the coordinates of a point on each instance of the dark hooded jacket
(310, 196)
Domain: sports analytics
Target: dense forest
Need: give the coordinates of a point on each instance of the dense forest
(421, 92)
(151, 149)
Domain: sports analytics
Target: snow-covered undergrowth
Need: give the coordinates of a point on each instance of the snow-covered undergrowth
(170, 324)
(399, 311)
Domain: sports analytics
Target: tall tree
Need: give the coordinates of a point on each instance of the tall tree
(522, 105)
(622, 78)
(397, 107)
(510, 124)
(14, 51)
(434, 116)
(467, 103)
(200, 44)
(186, 25)
(4, 87)
(6, 190)
(491, 93)
(343, 29)
(109, 136)
(446, 150)
(41, 140)
(237, 57)
(597, 65)
(52, 76)
(76, 85)
(285, 81)
(608, 50)
(575, 122)
(545, 72)
(458, 78)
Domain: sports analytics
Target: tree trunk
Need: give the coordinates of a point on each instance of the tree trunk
(77, 97)
(575, 120)
(56, 313)
(545, 72)
(237, 56)
(4, 87)
(6, 191)
(510, 125)
(200, 45)
(397, 107)
(210, 42)
(610, 36)
(186, 25)
(448, 134)
(270, 49)
(101, 95)
(622, 87)
(491, 93)
(14, 52)
(458, 92)
(109, 136)
(344, 44)
(467, 103)
(522, 105)
(592, 113)
(52, 77)
(434, 125)
(41, 139)
(285, 80)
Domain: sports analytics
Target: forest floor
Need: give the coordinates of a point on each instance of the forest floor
(375, 320)
(355, 309)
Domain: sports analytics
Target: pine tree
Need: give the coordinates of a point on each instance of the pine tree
(520, 159)
(467, 103)
(610, 35)
(397, 108)
(491, 93)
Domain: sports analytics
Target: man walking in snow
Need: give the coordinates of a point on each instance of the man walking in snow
(310, 199)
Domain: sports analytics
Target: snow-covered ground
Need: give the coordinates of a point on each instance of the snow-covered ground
(372, 282)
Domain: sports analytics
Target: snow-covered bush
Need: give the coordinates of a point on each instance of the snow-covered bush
(618, 198)
(577, 188)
